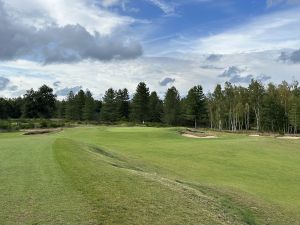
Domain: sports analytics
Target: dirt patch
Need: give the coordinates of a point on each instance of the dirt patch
(289, 138)
(200, 137)
(41, 131)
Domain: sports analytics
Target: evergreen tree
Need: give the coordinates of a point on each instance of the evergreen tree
(79, 101)
(172, 107)
(196, 110)
(89, 107)
(3, 108)
(61, 109)
(70, 107)
(139, 106)
(98, 108)
(122, 101)
(109, 110)
(155, 108)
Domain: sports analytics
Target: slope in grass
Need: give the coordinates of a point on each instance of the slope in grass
(121, 193)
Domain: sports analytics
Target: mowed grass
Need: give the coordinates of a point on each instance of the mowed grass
(133, 175)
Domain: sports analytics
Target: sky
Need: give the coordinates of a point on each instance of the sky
(98, 44)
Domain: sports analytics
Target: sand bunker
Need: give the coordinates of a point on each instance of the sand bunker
(41, 131)
(195, 136)
(254, 135)
(289, 138)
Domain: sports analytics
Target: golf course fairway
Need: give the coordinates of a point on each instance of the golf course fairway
(145, 176)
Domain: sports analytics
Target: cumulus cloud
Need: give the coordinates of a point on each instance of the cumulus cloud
(3, 83)
(211, 67)
(167, 81)
(241, 79)
(231, 71)
(13, 88)
(263, 78)
(292, 57)
(56, 44)
(56, 83)
(65, 91)
(237, 75)
(213, 58)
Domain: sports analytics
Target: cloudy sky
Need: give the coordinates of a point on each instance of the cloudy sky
(97, 44)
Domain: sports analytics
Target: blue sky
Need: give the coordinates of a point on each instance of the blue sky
(97, 44)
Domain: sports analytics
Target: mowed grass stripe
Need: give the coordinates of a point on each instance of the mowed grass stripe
(122, 194)
(33, 188)
(266, 168)
(114, 175)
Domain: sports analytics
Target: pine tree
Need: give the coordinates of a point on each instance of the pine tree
(89, 106)
(79, 105)
(196, 110)
(172, 107)
(70, 107)
(109, 110)
(139, 106)
(155, 108)
(61, 109)
(122, 101)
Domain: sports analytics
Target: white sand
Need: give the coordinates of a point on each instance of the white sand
(254, 135)
(195, 136)
(289, 138)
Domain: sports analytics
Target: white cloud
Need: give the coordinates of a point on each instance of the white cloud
(99, 76)
(167, 8)
(83, 12)
(271, 3)
(275, 31)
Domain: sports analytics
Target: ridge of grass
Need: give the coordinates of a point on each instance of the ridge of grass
(221, 209)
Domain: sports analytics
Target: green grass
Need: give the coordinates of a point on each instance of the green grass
(122, 175)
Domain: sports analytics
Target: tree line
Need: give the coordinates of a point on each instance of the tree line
(272, 108)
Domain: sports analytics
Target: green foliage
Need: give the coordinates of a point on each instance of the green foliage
(39, 104)
(5, 125)
(123, 104)
(195, 105)
(274, 108)
(172, 111)
(139, 105)
(89, 107)
(155, 108)
(273, 114)
(70, 107)
(109, 110)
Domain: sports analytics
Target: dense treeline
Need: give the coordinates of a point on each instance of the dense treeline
(274, 108)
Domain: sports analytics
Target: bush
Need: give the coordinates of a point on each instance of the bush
(5, 125)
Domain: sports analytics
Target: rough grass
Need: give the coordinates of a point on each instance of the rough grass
(113, 175)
